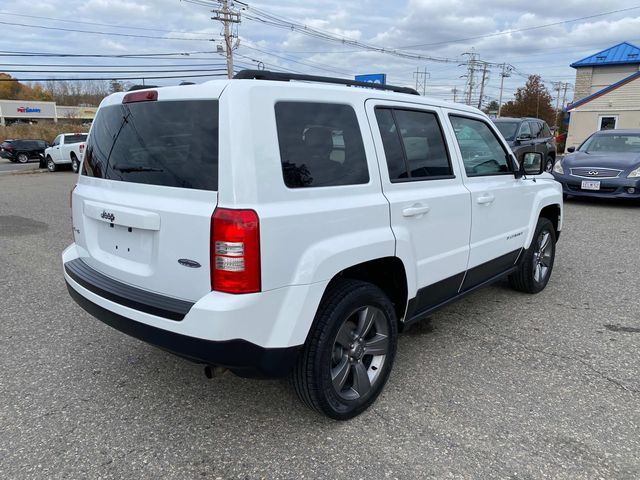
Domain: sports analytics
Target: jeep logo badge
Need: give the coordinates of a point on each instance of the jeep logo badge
(108, 216)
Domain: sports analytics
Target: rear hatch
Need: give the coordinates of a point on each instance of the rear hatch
(147, 189)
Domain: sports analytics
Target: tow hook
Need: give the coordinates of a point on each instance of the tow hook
(211, 371)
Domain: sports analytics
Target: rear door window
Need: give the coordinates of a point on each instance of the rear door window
(320, 145)
(170, 143)
(414, 145)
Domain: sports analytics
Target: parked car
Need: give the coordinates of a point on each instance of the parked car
(293, 228)
(607, 164)
(67, 148)
(528, 135)
(23, 151)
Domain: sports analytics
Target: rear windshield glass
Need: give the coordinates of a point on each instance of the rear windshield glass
(79, 138)
(171, 143)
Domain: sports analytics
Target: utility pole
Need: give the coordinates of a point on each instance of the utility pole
(506, 72)
(421, 80)
(485, 66)
(455, 94)
(557, 86)
(228, 16)
(564, 95)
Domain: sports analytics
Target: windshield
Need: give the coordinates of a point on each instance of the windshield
(508, 129)
(170, 143)
(612, 143)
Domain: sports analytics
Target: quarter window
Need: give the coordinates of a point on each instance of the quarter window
(481, 151)
(320, 145)
(414, 145)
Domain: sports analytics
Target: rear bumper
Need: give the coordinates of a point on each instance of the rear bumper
(609, 187)
(254, 335)
(244, 358)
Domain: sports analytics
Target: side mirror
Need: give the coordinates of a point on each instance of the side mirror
(532, 163)
(571, 149)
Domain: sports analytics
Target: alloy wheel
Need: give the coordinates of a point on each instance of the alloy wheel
(542, 256)
(359, 353)
(22, 158)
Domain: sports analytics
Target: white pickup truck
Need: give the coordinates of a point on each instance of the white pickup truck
(67, 148)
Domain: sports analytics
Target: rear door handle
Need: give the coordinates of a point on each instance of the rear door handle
(485, 199)
(415, 210)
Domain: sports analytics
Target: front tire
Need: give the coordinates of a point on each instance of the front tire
(536, 266)
(349, 354)
(548, 166)
(51, 166)
(23, 158)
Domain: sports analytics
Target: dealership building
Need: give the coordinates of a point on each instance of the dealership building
(30, 111)
(607, 92)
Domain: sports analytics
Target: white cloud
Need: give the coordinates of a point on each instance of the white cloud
(435, 25)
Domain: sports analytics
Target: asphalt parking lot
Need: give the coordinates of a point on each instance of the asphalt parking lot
(498, 385)
(7, 166)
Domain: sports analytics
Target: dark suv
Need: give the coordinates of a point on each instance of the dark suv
(23, 150)
(528, 135)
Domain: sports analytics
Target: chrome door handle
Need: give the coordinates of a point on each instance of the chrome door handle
(415, 210)
(486, 199)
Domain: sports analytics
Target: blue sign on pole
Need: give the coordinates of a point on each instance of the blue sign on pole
(379, 78)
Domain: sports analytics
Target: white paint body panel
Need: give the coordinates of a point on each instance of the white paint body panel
(307, 235)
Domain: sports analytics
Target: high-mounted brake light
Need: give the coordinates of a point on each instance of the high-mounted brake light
(141, 96)
(235, 251)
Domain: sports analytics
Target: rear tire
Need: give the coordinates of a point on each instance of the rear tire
(75, 164)
(350, 350)
(23, 158)
(536, 265)
(51, 166)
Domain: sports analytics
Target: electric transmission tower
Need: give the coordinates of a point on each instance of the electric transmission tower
(421, 80)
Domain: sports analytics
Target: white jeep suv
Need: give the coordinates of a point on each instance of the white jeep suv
(292, 225)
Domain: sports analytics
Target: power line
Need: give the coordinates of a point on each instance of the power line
(112, 71)
(11, 53)
(109, 78)
(76, 22)
(112, 34)
(308, 63)
(107, 66)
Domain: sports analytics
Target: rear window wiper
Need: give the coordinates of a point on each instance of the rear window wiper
(136, 169)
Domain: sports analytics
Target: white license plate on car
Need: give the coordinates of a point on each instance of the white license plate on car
(590, 185)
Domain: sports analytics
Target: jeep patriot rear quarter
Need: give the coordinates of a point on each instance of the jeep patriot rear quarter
(291, 228)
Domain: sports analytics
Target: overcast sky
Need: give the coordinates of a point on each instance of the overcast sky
(433, 28)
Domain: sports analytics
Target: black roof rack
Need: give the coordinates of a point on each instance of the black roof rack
(133, 88)
(286, 77)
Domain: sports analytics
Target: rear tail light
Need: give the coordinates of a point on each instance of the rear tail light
(141, 96)
(81, 147)
(235, 251)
